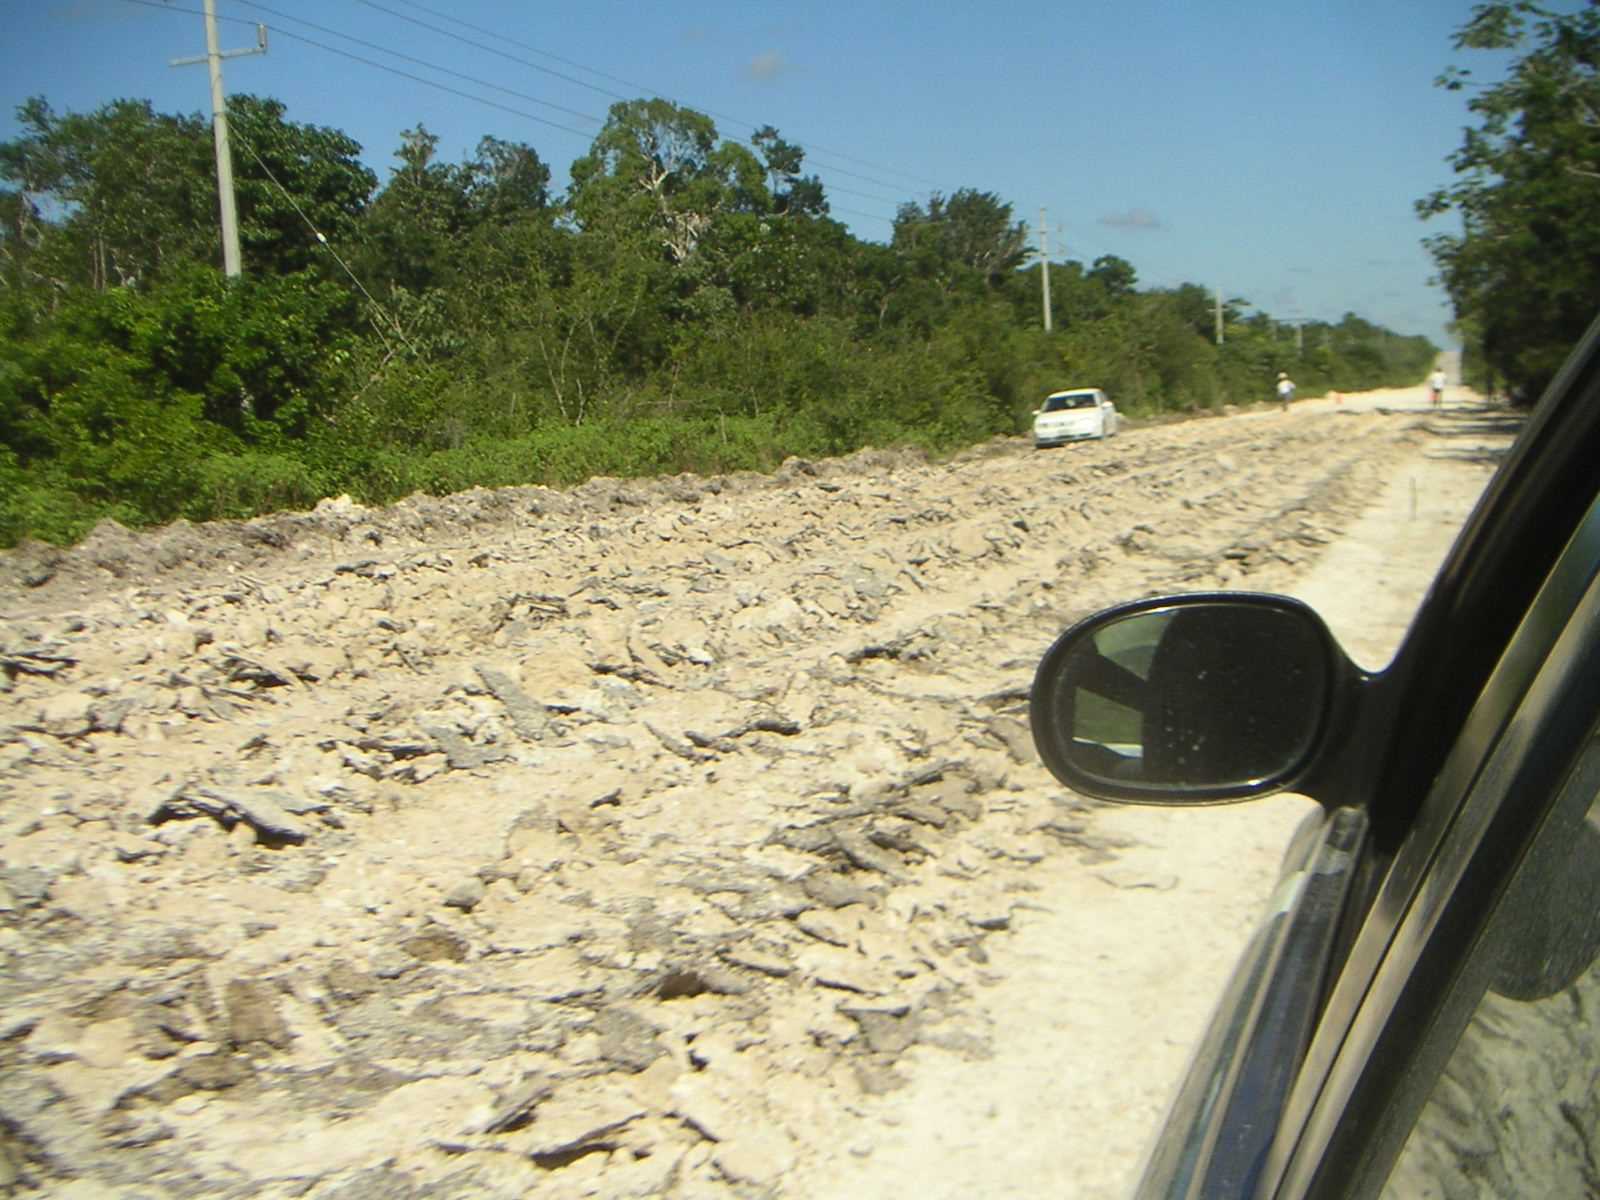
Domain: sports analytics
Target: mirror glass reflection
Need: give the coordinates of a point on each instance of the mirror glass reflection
(1201, 696)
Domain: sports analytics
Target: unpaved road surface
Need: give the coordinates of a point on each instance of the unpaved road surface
(679, 838)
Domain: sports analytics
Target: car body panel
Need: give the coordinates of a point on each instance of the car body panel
(1417, 863)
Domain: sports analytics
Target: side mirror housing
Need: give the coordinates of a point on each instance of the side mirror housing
(1190, 699)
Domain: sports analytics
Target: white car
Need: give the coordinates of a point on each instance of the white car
(1074, 416)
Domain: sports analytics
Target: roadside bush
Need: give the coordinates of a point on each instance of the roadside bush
(503, 336)
(33, 505)
(250, 483)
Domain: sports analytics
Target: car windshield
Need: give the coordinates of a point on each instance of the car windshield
(1074, 400)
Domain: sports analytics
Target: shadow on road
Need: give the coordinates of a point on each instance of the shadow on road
(1476, 424)
(1473, 454)
(1496, 425)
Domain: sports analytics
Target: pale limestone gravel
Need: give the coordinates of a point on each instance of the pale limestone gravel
(672, 839)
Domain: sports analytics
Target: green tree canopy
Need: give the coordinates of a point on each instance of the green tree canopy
(969, 228)
(1524, 273)
(689, 306)
(793, 194)
(506, 181)
(658, 164)
(115, 196)
(292, 182)
(106, 198)
(417, 216)
(1116, 275)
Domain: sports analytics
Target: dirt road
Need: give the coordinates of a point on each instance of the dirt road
(677, 839)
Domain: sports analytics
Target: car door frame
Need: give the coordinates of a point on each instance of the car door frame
(1377, 1051)
(1329, 1121)
(1477, 650)
(1393, 982)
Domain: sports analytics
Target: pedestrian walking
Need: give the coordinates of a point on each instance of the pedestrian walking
(1285, 389)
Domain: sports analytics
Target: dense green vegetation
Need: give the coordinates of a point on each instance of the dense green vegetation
(688, 304)
(1524, 273)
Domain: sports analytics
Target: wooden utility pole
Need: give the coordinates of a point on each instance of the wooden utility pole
(219, 129)
(1044, 266)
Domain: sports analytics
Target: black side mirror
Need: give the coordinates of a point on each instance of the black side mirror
(1189, 699)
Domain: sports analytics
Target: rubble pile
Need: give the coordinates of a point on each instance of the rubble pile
(615, 842)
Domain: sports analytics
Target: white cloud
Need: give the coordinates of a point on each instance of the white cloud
(1136, 220)
(766, 66)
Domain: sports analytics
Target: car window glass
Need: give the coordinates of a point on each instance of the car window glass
(1063, 403)
(1516, 1111)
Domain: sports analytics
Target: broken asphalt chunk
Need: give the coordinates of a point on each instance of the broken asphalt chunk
(265, 812)
(835, 890)
(517, 1109)
(528, 717)
(462, 754)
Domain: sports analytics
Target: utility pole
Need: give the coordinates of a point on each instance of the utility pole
(1219, 317)
(1044, 266)
(219, 129)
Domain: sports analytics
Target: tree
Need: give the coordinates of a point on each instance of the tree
(506, 181)
(801, 266)
(417, 226)
(689, 305)
(793, 194)
(293, 182)
(661, 166)
(1197, 305)
(970, 228)
(115, 197)
(134, 188)
(1115, 275)
(415, 219)
(1524, 273)
(22, 233)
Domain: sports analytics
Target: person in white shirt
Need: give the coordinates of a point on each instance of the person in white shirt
(1285, 389)
(1436, 383)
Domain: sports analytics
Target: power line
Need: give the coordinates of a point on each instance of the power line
(586, 134)
(488, 48)
(638, 87)
(300, 37)
(854, 212)
(403, 74)
(328, 246)
(349, 37)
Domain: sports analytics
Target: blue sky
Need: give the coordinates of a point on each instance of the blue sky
(1271, 149)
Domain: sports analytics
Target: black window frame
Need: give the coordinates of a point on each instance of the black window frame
(1372, 1064)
